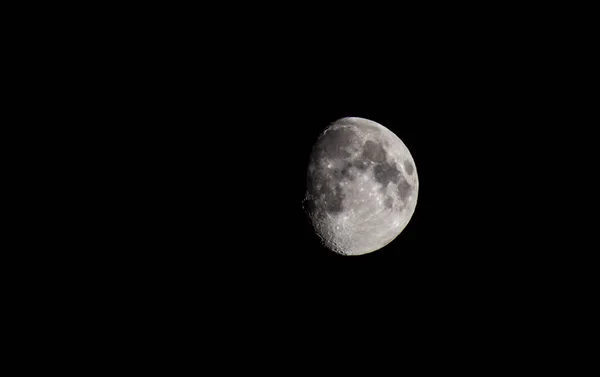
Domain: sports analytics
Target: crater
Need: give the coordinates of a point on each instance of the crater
(325, 194)
(374, 151)
(409, 167)
(333, 143)
(389, 202)
(386, 173)
(333, 200)
(404, 189)
(360, 164)
(344, 173)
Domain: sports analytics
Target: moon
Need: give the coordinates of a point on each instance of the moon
(362, 186)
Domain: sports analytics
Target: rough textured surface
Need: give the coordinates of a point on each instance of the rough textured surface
(404, 189)
(334, 144)
(362, 186)
(386, 173)
(374, 151)
(408, 167)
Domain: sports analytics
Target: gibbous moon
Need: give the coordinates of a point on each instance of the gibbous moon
(362, 186)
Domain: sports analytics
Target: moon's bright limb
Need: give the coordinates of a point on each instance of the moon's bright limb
(362, 186)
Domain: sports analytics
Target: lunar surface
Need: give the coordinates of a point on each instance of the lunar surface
(362, 186)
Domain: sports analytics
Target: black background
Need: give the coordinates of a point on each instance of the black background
(230, 241)
(200, 138)
(236, 149)
(222, 122)
(230, 129)
(169, 150)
